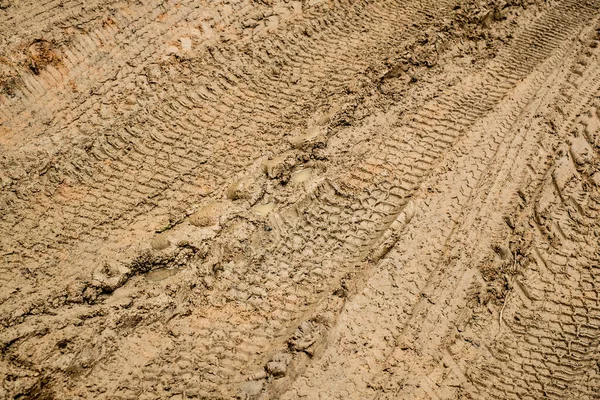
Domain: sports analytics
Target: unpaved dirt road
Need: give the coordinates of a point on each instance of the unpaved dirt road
(317, 199)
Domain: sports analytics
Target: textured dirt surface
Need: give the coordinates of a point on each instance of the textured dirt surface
(317, 199)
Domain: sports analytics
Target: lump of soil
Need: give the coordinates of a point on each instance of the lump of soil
(109, 278)
(245, 189)
(277, 367)
(160, 242)
(9, 78)
(279, 167)
(40, 54)
(305, 336)
(207, 215)
(581, 151)
(153, 73)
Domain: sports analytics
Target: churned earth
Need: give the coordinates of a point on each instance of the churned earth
(316, 199)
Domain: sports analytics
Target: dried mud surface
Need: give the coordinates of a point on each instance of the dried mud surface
(316, 199)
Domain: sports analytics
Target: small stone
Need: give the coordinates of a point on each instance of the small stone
(208, 282)
(206, 216)
(160, 242)
(75, 292)
(186, 43)
(581, 151)
(153, 72)
(276, 368)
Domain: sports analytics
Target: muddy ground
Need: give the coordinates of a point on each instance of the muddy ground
(316, 199)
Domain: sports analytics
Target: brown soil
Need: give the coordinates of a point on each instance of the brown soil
(316, 199)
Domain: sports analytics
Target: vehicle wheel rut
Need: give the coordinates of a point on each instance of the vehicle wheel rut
(299, 199)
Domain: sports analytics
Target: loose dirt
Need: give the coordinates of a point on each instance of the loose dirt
(278, 199)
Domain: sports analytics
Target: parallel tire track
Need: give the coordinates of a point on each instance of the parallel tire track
(154, 160)
(409, 294)
(550, 347)
(340, 224)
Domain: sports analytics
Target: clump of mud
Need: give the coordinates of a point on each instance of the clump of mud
(40, 54)
(9, 78)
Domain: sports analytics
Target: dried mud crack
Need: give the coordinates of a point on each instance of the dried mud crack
(325, 199)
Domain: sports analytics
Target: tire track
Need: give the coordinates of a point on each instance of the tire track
(97, 174)
(550, 345)
(312, 227)
(404, 302)
(151, 164)
(464, 342)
